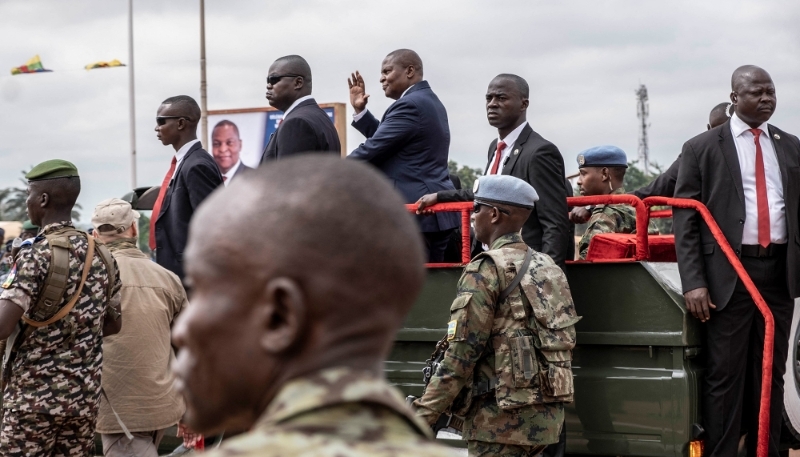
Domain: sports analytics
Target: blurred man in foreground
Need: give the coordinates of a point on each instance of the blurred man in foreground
(287, 334)
(136, 376)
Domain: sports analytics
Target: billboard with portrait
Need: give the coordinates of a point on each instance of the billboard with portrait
(255, 126)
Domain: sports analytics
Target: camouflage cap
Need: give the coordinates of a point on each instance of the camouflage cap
(603, 156)
(114, 212)
(51, 169)
(505, 189)
(28, 226)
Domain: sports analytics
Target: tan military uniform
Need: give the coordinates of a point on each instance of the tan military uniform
(510, 392)
(336, 412)
(51, 401)
(608, 219)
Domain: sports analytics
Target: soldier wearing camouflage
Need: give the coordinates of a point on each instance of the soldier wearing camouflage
(608, 219)
(507, 369)
(339, 411)
(51, 398)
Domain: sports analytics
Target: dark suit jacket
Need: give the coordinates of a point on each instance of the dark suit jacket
(539, 163)
(709, 172)
(195, 178)
(306, 128)
(243, 169)
(663, 185)
(411, 145)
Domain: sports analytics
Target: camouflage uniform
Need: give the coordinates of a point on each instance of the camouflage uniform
(336, 412)
(520, 413)
(608, 219)
(51, 400)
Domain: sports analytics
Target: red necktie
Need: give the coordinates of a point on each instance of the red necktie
(159, 201)
(761, 193)
(499, 153)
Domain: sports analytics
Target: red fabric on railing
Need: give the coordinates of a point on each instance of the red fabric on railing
(613, 246)
(642, 219)
(769, 323)
(465, 208)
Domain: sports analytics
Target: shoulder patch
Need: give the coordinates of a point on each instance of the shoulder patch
(10, 278)
(451, 329)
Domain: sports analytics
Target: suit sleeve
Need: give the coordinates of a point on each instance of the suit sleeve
(395, 130)
(367, 125)
(455, 195)
(472, 318)
(663, 185)
(546, 175)
(201, 180)
(686, 223)
(296, 136)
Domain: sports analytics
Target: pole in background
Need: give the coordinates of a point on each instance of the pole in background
(131, 94)
(643, 112)
(203, 98)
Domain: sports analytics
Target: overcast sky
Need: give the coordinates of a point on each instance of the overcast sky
(582, 59)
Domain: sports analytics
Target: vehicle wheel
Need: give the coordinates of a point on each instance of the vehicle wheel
(791, 380)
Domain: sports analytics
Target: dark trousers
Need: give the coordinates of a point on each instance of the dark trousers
(735, 342)
(436, 244)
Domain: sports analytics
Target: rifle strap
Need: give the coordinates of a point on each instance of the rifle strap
(68, 307)
(518, 278)
(119, 420)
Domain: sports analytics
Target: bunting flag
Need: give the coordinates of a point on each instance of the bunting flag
(32, 66)
(113, 63)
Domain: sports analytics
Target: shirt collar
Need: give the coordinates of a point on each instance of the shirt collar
(738, 126)
(511, 138)
(509, 238)
(409, 88)
(297, 102)
(332, 387)
(181, 153)
(232, 171)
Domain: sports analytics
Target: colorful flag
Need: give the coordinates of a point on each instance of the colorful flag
(32, 66)
(113, 63)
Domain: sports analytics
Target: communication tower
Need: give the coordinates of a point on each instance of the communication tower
(642, 112)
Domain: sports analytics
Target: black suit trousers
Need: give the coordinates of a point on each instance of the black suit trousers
(735, 341)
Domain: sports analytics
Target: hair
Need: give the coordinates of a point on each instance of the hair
(226, 123)
(406, 58)
(186, 106)
(617, 172)
(297, 65)
(63, 192)
(522, 85)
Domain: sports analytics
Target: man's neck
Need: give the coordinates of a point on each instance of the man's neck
(56, 216)
(503, 132)
(183, 141)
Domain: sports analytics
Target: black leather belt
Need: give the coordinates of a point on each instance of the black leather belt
(756, 250)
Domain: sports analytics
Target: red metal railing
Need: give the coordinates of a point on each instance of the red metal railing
(465, 209)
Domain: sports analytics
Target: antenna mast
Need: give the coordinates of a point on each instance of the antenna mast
(642, 112)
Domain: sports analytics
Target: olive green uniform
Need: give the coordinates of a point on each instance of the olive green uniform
(336, 412)
(510, 394)
(608, 219)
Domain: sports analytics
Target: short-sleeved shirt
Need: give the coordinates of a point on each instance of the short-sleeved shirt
(608, 219)
(57, 367)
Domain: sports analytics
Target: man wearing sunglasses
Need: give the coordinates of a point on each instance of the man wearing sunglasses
(191, 177)
(305, 126)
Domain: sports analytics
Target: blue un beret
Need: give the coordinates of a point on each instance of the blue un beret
(603, 156)
(506, 190)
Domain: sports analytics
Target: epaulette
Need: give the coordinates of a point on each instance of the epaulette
(474, 266)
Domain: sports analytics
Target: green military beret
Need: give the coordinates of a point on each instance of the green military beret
(28, 226)
(51, 169)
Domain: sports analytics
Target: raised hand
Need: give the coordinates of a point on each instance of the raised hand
(358, 93)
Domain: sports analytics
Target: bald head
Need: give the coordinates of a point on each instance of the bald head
(184, 105)
(296, 65)
(719, 115)
(519, 83)
(746, 73)
(406, 58)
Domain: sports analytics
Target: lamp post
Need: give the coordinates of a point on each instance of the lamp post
(203, 98)
(131, 95)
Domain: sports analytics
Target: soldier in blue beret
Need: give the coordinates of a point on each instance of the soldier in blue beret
(602, 170)
(506, 409)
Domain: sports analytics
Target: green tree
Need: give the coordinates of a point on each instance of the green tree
(466, 174)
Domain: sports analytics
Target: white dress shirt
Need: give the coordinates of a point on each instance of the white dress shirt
(296, 102)
(181, 153)
(357, 116)
(226, 177)
(509, 140)
(746, 150)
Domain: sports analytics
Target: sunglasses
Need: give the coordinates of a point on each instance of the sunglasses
(477, 208)
(273, 79)
(161, 120)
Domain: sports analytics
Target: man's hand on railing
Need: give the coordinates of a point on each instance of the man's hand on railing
(698, 302)
(426, 201)
(579, 215)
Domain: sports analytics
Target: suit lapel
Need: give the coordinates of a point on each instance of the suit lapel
(518, 145)
(728, 148)
(492, 148)
(782, 159)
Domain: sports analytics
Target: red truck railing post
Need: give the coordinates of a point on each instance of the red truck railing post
(769, 322)
(465, 208)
